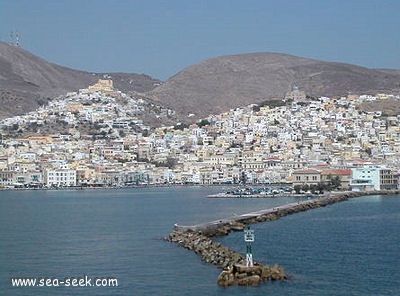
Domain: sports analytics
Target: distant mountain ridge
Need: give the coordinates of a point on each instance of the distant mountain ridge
(210, 87)
(26, 81)
(225, 82)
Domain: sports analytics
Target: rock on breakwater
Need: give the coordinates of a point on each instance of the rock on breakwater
(209, 250)
(250, 276)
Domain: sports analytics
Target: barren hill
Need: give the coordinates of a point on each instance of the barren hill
(221, 83)
(26, 81)
(212, 86)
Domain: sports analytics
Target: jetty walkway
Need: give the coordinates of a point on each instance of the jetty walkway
(212, 225)
(279, 211)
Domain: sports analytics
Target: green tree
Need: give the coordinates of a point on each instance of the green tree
(305, 187)
(171, 162)
(335, 182)
(180, 126)
(297, 189)
(203, 122)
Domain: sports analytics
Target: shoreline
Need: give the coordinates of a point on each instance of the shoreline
(198, 238)
(107, 187)
(77, 188)
(278, 195)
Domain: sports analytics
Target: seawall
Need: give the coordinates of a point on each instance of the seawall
(198, 238)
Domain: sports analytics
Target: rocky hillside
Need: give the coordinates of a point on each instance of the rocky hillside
(221, 83)
(27, 81)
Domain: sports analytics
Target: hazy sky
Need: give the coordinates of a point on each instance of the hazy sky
(160, 38)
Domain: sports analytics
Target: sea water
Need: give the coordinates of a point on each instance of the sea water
(349, 248)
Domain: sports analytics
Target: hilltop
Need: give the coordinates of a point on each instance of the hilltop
(225, 82)
(27, 81)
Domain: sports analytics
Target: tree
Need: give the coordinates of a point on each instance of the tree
(321, 187)
(180, 126)
(305, 187)
(203, 122)
(243, 177)
(145, 133)
(43, 101)
(297, 189)
(121, 134)
(340, 138)
(171, 162)
(15, 127)
(335, 182)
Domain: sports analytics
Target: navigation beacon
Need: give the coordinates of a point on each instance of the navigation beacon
(249, 238)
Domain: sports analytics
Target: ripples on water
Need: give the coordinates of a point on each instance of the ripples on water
(350, 248)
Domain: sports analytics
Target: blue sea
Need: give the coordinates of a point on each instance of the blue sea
(349, 248)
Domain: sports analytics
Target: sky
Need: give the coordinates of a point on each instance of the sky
(160, 38)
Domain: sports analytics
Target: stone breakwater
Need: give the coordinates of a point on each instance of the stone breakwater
(235, 272)
(198, 239)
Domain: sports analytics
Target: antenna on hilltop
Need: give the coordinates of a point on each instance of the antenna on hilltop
(15, 38)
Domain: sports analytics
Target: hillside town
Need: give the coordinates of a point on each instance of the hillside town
(300, 141)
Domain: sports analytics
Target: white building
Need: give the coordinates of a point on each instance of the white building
(60, 178)
(372, 177)
(365, 178)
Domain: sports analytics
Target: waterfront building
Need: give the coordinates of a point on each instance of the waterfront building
(60, 178)
(306, 176)
(31, 178)
(373, 177)
(7, 178)
(365, 178)
(388, 179)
